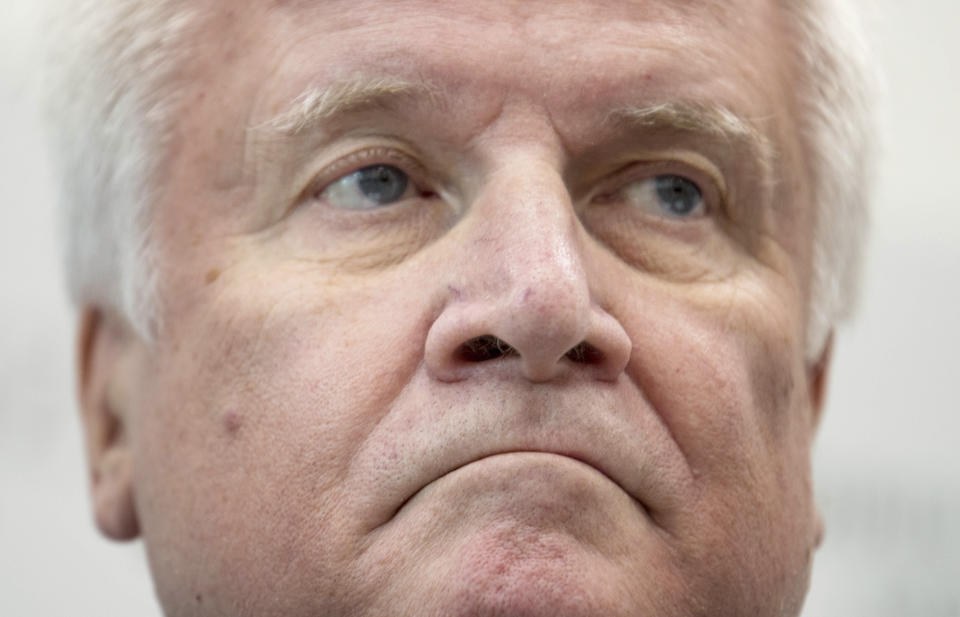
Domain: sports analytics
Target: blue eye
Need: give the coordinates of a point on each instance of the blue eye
(668, 194)
(367, 188)
(677, 195)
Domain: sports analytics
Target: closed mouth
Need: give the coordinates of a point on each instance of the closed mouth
(578, 459)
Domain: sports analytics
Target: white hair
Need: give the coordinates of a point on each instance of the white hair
(113, 106)
(838, 127)
(110, 100)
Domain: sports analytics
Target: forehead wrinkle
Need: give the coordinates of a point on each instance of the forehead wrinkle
(318, 104)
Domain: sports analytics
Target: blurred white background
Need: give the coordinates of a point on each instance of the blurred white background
(887, 464)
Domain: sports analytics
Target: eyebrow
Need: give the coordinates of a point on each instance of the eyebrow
(355, 93)
(362, 92)
(699, 118)
(711, 119)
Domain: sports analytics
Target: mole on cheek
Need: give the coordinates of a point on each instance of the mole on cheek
(232, 421)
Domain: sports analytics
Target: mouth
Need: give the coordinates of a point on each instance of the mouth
(611, 443)
(512, 461)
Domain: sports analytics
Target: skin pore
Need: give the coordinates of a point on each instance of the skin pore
(314, 431)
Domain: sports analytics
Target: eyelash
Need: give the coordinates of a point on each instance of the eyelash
(713, 196)
(363, 158)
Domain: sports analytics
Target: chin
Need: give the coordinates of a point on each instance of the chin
(525, 534)
(524, 573)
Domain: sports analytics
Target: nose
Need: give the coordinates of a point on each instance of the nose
(519, 294)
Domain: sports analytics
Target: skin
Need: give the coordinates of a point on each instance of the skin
(305, 437)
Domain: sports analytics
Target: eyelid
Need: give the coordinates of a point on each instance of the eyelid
(365, 157)
(686, 164)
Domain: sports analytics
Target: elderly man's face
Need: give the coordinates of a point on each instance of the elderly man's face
(504, 316)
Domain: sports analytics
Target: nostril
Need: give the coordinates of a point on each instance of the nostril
(489, 347)
(483, 348)
(585, 353)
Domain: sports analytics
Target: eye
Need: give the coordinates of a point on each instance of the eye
(669, 194)
(367, 188)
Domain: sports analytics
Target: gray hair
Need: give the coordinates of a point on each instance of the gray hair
(110, 63)
(113, 108)
(838, 126)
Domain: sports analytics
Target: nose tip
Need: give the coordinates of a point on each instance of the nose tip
(602, 351)
(544, 323)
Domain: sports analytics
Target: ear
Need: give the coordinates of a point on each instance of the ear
(105, 361)
(817, 373)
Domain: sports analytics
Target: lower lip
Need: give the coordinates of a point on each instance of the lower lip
(542, 490)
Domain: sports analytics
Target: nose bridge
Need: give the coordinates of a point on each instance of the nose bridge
(528, 235)
(521, 286)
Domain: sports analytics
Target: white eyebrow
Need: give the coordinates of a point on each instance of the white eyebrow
(695, 117)
(709, 119)
(363, 91)
(353, 93)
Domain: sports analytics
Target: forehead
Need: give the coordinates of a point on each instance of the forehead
(568, 53)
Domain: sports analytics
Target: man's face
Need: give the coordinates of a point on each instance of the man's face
(506, 320)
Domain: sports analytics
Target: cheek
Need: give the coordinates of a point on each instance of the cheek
(256, 407)
(726, 378)
(723, 365)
